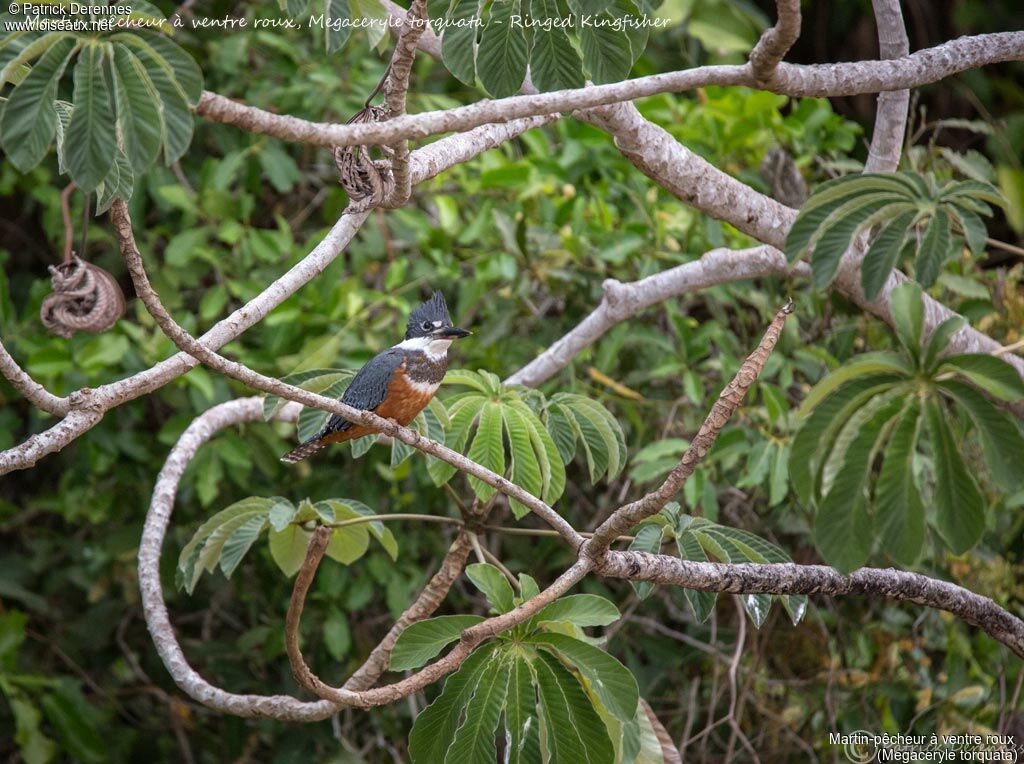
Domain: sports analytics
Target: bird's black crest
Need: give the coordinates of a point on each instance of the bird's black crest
(434, 309)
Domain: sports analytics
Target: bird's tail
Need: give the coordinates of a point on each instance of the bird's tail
(305, 450)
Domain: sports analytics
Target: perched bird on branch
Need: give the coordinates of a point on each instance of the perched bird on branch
(397, 383)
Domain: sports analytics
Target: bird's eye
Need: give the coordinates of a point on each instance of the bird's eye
(425, 326)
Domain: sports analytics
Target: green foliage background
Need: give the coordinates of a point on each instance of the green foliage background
(520, 241)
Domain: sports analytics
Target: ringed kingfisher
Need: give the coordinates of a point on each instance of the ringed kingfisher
(397, 383)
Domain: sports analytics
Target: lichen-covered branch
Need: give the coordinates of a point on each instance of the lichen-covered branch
(843, 79)
(790, 578)
(395, 93)
(776, 41)
(628, 515)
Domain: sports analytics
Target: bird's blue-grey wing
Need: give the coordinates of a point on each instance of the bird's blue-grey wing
(368, 387)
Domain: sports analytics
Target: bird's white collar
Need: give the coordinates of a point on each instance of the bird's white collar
(434, 349)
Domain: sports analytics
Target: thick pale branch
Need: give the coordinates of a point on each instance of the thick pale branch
(851, 78)
(625, 517)
(622, 301)
(776, 41)
(790, 578)
(891, 113)
(395, 93)
(33, 392)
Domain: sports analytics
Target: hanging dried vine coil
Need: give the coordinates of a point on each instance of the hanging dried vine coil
(85, 298)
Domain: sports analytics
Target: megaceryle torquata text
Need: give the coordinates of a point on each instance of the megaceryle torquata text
(397, 383)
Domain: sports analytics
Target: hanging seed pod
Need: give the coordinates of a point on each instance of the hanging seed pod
(85, 299)
(366, 181)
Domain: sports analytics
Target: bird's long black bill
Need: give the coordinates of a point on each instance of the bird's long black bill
(455, 332)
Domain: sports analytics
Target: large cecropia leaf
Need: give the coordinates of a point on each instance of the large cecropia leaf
(137, 81)
(905, 208)
(854, 456)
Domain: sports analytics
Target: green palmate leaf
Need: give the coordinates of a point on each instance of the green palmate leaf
(336, 31)
(186, 72)
(25, 50)
(936, 249)
(908, 316)
(474, 739)
(521, 717)
(1001, 438)
(599, 432)
(90, 146)
(648, 538)
(117, 185)
(813, 440)
(378, 529)
(990, 373)
(883, 254)
(288, 548)
(838, 230)
(562, 431)
(606, 53)
(29, 118)
(176, 134)
(971, 226)
(526, 471)
(435, 727)
(349, 542)
(609, 679)
(458, 41)
(138, 108)
(554, 62)
(864, 365)
(422, 640)
(849, 429)
(898, 508)
(461, 420)
(468, 378)
(701, 603)
(813, 213)
(552, 469)
(842, 529)
(579, 609)
(574, 730)
(487, 448)
(314, 380)
(959, 505)
(492, 582)
(832, 195)
(205, 548)
(939, 340)
(973, 190)
(239, 542)
(501, 59)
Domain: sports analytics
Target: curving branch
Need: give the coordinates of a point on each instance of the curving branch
(844, 79)
(92, 403)
(891, 114)
(790, 578)
(623, 301)
(776, 41)
(628, 515)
